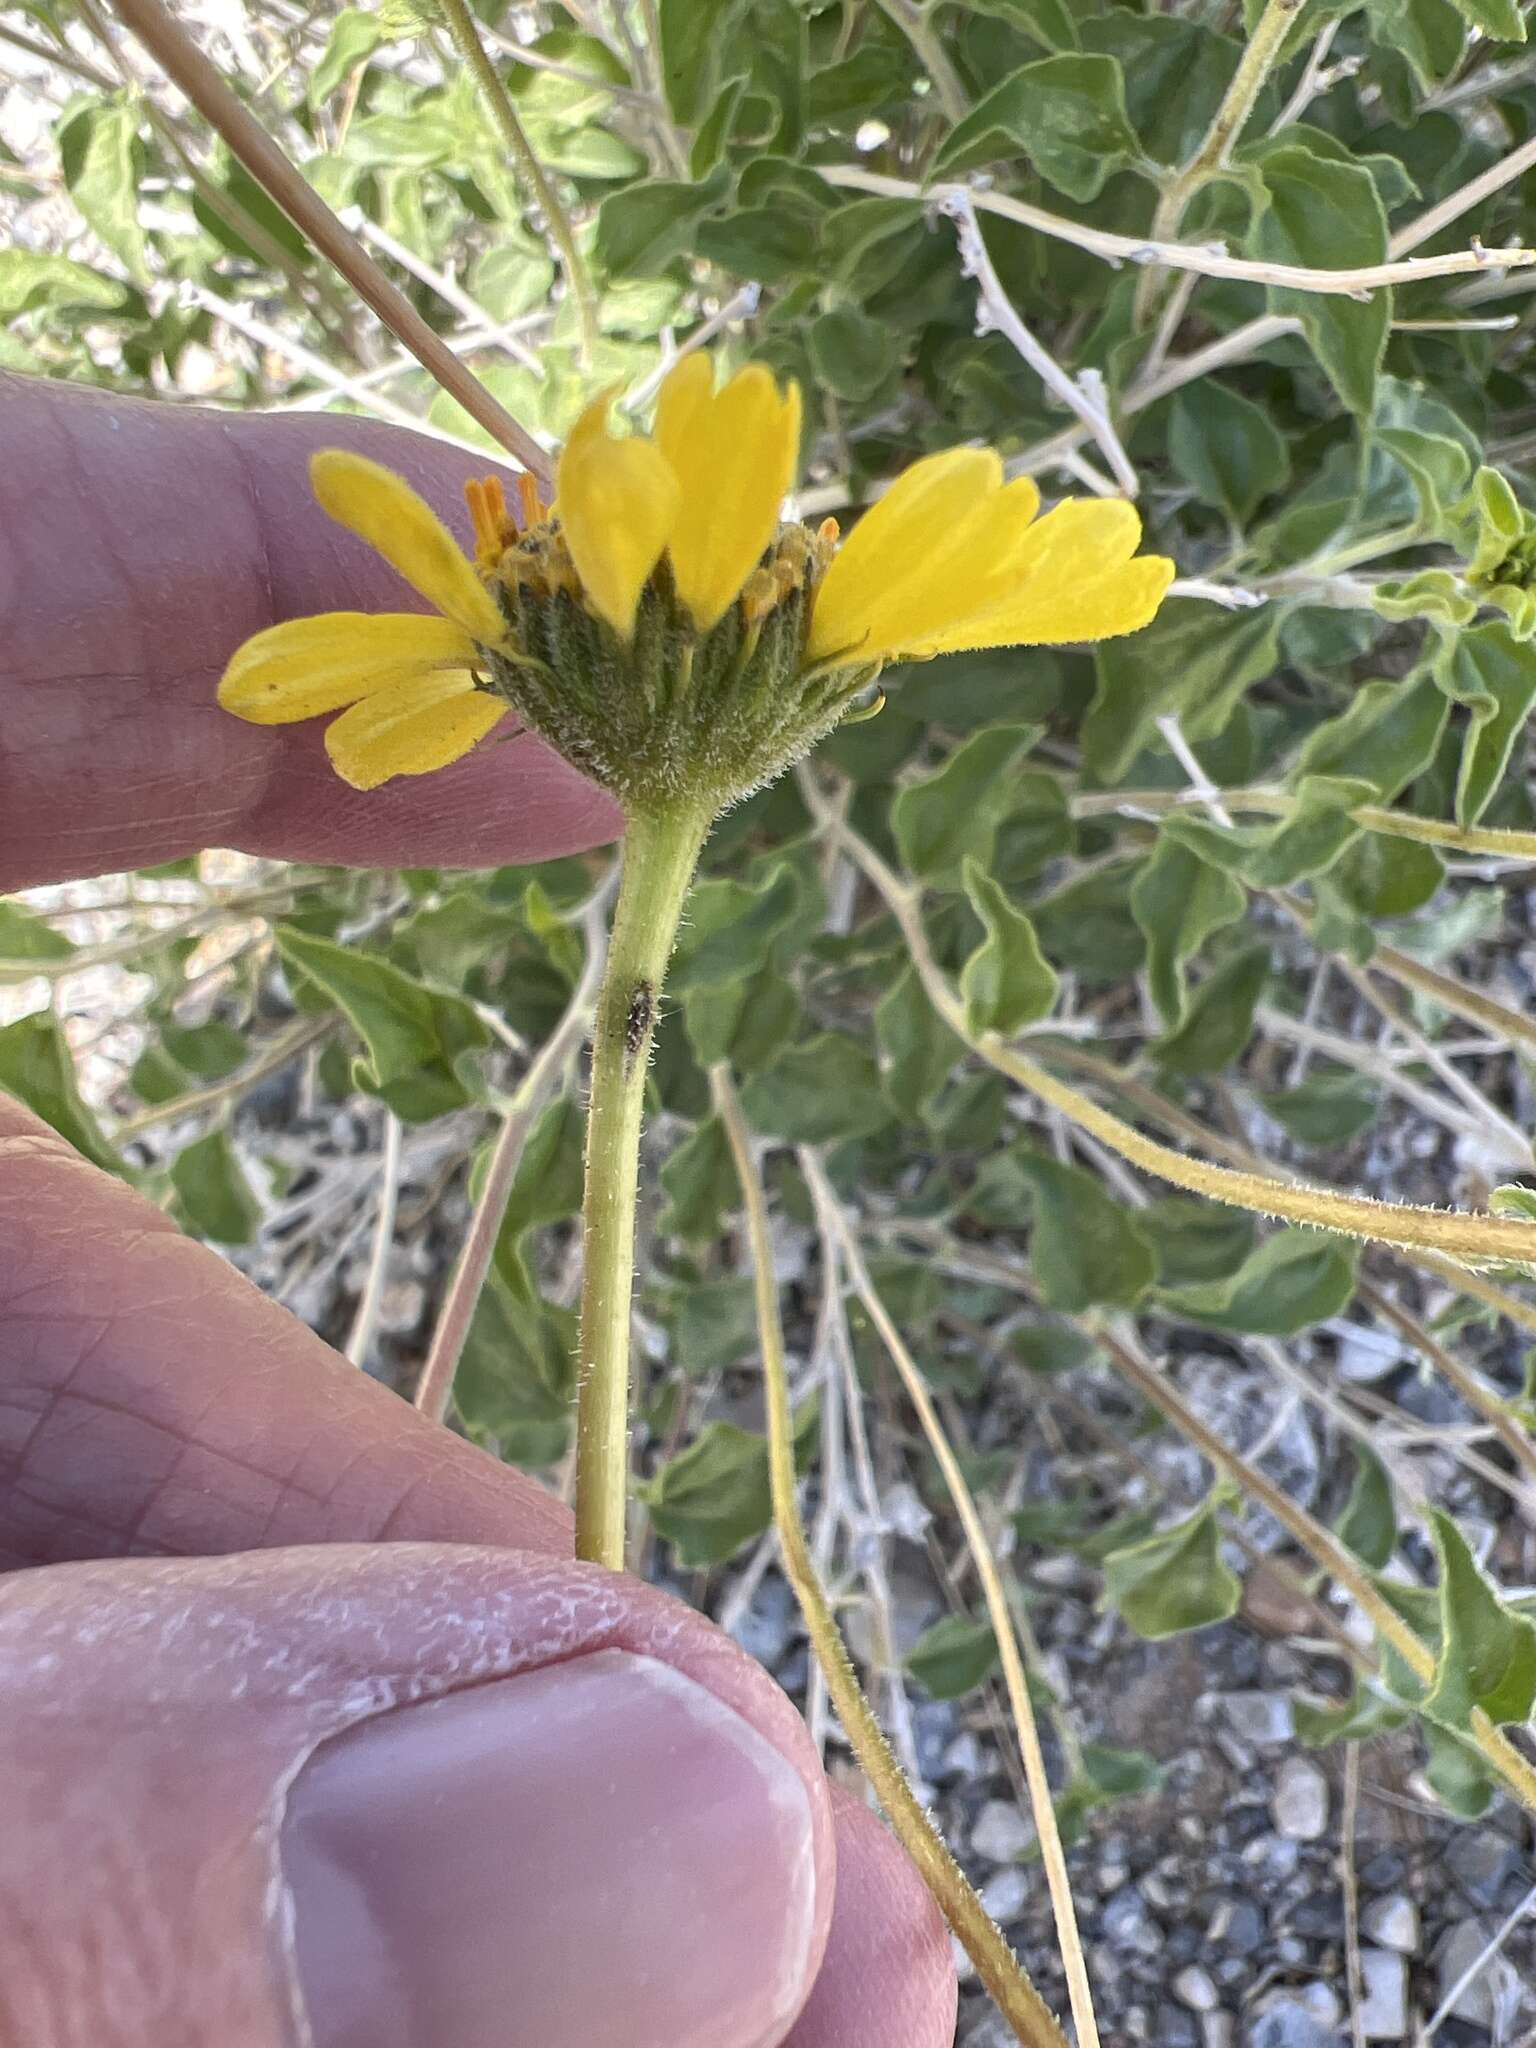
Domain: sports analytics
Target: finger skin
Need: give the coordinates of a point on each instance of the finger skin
(888, 1979)
(158, 1713)
(152, 1401)
(140, 543)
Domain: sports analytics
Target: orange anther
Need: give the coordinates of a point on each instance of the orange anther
(528, 497)
(828, 530)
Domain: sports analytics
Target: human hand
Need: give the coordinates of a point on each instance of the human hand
(310, 1719)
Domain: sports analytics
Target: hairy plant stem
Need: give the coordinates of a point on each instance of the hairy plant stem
(661, 850)
(461, 26)
(1001, 1972)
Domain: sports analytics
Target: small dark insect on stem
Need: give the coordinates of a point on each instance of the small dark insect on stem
(639, 1022)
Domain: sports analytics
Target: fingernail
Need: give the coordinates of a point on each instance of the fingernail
(594, 1853)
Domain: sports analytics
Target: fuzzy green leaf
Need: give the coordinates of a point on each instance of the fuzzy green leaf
(1007, 983)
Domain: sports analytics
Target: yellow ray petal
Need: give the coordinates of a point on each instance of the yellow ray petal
(1081, 537)
(895, 541)
(733, 454)
(411, 728)
(969, 568)
(1053, 613)
(616, 502)
(307, 666)
(382, 509)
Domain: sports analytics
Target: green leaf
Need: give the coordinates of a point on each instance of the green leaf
(355, 34)
(1311, 839)
(700, 1183)
(1368, 1525)
(1487, 1660)
(29, 280)
(823, 1090)
(851, 354)
(1179, 900)
(1087, 926)
(103, 165)
(1085, 1248)
(1104, 1777)
(422, 1042)
(694, 36)
(208, 1052)
(1325, 1109)
(1226, 449)
(1193, 662)
(765, 243)
(1363, 1715)
(641, 229)
(1006, 983)
(1193, 1240)
(36, 1067)
(939, 821)
(953, 1657)
(1218, 1017)
(24, 936)
(1385, 736)
(1326, 214)
(1175, 72)
(1430, 34)
(1294, 1279)
(546, 1187)
(715, 1496)
(214, 1199)
(1494, 675)
(746, 1022)
(714, 1323)
(730, 926)
(1459, 1778)
(1379, 876)
(1065, 113)
(516, 1383)
(1173, 1581)
(917, 1048)
(512, 277)
(1501, 19)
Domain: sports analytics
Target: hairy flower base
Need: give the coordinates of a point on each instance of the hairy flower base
(670, 712)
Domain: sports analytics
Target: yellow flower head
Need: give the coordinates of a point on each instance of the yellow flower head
(661, 625)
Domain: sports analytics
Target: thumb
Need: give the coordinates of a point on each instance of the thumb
(401, 1796)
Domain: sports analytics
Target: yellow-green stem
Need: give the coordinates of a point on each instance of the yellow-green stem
(998, 1967)
(660, 854)
(1259, 58)
(461, 26)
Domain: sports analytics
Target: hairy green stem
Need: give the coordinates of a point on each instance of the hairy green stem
(660, 854)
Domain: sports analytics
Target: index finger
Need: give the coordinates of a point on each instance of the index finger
(140, 543)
